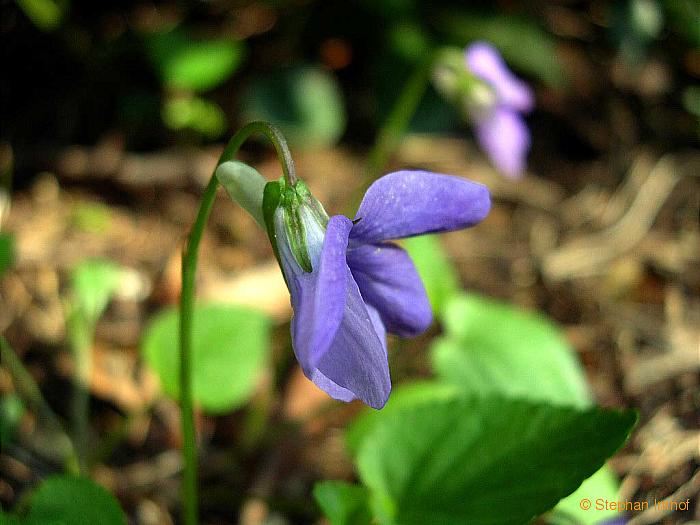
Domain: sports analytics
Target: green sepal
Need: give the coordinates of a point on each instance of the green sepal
(272, 195)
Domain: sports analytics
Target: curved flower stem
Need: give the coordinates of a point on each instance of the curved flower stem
(189, 270)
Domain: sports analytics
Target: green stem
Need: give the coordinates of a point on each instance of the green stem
(80, 336)
(396, 124)
(29, 390)
(189, 270)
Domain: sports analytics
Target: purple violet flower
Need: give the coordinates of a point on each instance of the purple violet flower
(500, 128)
(349, 285)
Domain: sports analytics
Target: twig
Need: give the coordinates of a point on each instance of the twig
(588, 256)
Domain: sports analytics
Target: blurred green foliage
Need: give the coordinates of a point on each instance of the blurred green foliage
(74, 500)
(437, 272)
(343, 503)
(46, 14)
(492, 347)
(93, 283)
(305, 102)
(7, 251)
(193, 65)
(193, 72)
(231, 346)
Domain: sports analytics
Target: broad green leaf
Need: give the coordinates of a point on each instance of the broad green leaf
(305, 102)
(493, 348)
(7, 252)
(230, 350)
(487, 461)
(439, 275)
(523, 43)
(94, 283)
(68, 500)
(603, 484)
(45, 14)
(343, 503)
(404, 396)
(10, 519)
(195, 113)
(194, 65)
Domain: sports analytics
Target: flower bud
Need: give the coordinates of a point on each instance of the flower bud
(296, 223)
(244, 185)
(472, 97)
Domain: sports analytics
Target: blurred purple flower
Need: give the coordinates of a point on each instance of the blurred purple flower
(500, 128)
(348, 285)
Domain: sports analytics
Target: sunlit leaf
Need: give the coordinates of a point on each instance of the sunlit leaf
(195, 113)
(94, 283)
(343, 503)
(46, 14)
(230, 348)
(494, 348)
(75, 501)
(196, 65)
(483, 460)
(601, 485)
(305, 102)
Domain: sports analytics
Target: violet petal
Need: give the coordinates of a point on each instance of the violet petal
(408, 203)
(388, 280)
(505, 138)
(357, 358)
(319, 297)
(486, 63)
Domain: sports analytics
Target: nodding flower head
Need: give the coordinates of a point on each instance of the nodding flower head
(501, 130)
(491, 97)
(349, 285)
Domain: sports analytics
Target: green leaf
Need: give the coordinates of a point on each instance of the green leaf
(11, 412)
(10, 519)
(439, 275)
(494, 348)
(523, 43)
(343, 503)
(45, 14)
(603, 484)
(7, 252)
(683, 16)
(68, 500)
(195, 113)
(407, 395)
(305, 102)
(194, 65)
(483, 460)
(94, 283)
(230, 350)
